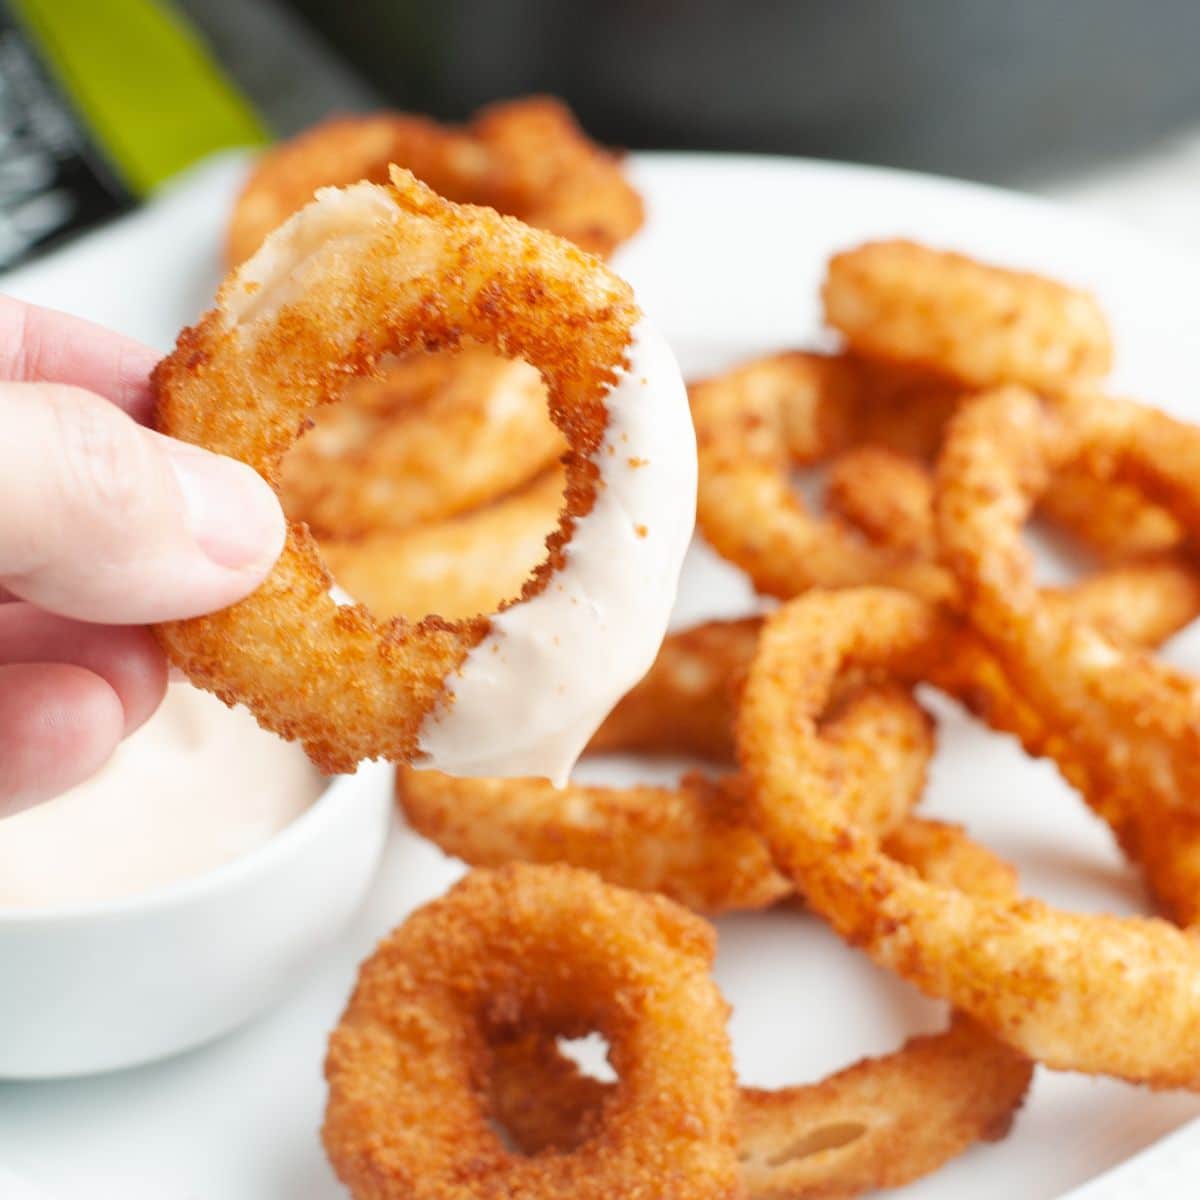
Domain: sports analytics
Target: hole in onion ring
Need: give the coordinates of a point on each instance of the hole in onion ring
(431, 487)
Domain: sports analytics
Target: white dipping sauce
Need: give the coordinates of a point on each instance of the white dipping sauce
(197, 786)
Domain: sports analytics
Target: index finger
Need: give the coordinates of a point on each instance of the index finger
(42, 345)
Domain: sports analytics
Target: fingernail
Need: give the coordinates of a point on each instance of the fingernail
(231, 512)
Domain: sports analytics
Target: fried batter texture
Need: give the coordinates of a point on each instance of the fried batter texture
(435, 436)
(526, 158)
(534, 950)
(1099, 994)
(694, 842)
(1124, 727)
(880, 1123)
(362, 274)
(758, 421)
(982, 324)
(471, 563)
(879, 426)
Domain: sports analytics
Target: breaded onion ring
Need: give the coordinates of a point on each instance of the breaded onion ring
(523, 950)
(983, 324)
(750, 512)
(886, 496)
(1144, 601)
(881, 1123)
(436, 436)
(685, 703)
(694, 842)
(373, 271)
(1126, 727)
(527, 158)
(1099, 994)
(471, 563)
(753, 424)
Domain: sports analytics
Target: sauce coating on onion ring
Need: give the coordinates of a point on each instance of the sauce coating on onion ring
(369, 272)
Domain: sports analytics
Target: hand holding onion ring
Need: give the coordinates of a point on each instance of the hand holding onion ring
(372, 271)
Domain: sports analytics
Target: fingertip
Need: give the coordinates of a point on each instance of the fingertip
(139, 673)
(59, 724)
(127, 657)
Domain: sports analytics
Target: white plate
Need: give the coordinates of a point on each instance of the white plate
(729, 266)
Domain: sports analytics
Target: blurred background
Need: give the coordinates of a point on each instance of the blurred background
(1093, 100)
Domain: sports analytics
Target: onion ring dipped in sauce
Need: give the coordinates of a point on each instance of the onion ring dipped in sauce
(1098, 994)
(526, 158)
(693, 842)
(367, 272)
(534, 950)
(880, 1123)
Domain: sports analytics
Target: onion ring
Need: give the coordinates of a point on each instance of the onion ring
(749, 511)
(523, 949)
(471, 563)
(753, 424)
(371, 271)
(685, 704)
(435, 437)
(886, 496)
(1144, 601)
(1126, 728)
(693, 843)
(883, 1122)
(527, 158)
(1109, 995)
(982, 324)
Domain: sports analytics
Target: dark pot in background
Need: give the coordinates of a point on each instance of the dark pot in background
(967, 87)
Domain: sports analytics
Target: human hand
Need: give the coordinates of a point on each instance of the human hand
(104, 527)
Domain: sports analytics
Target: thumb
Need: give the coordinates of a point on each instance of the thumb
(103, 520)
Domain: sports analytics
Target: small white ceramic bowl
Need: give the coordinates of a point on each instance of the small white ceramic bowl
(95, 987)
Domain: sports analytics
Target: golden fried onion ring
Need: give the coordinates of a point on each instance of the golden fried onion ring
(372, 271)
(527, 158)
(1124, 727)
(880, 1123)
(1099, 994)
(471, 563)
(1144, 599)
(759, 420)
(982, 324)
(436, 436)
(522, 950)
(694, 842)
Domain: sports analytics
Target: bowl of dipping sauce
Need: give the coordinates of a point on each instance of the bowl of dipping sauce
(186, 888)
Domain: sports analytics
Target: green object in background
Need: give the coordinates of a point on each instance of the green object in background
(142, 82)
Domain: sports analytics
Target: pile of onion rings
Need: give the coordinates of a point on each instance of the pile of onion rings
(965, 399)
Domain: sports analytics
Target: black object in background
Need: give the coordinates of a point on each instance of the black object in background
(988, 89)
(54, 183)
